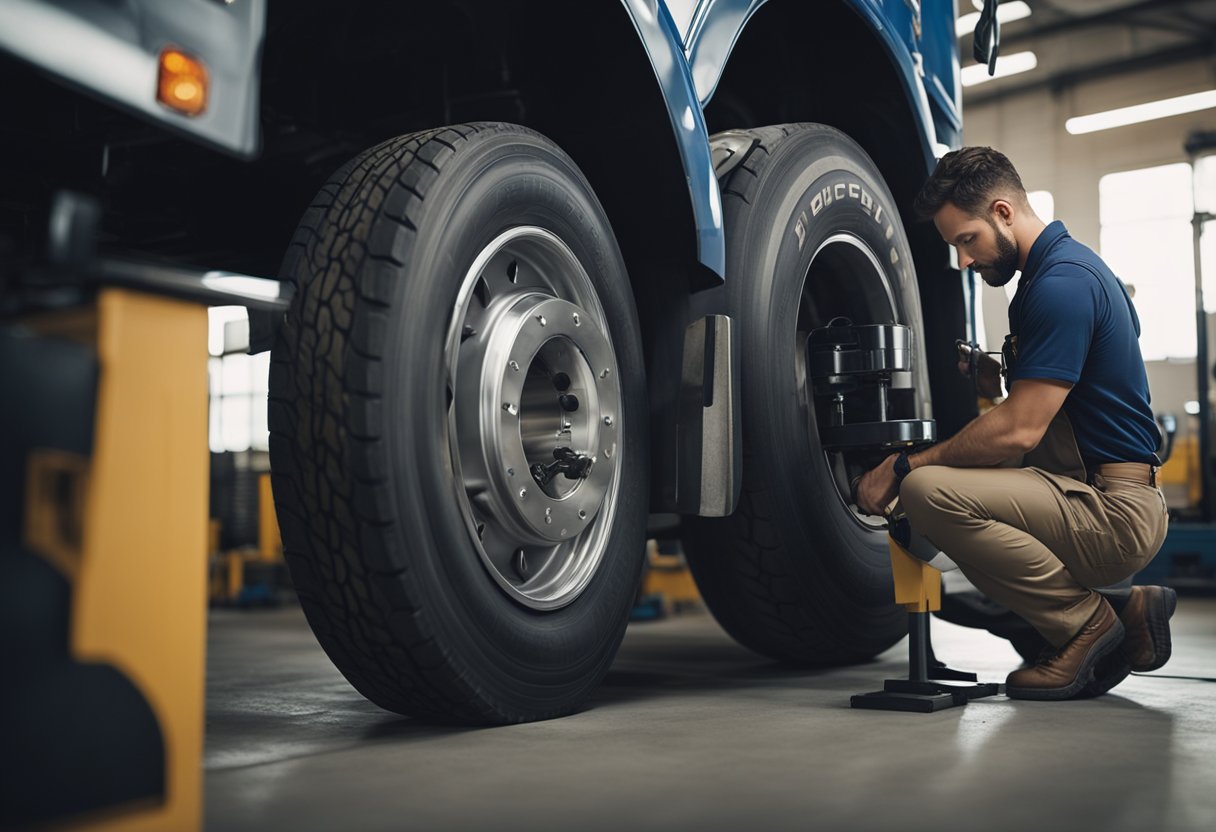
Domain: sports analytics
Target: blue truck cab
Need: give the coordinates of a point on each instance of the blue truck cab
(555, 278)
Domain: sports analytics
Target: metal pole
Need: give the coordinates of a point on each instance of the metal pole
(1198, 145)
(1203, 371)
(973, 290)
(918, 653)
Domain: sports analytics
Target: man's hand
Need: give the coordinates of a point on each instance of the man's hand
(877, 487)
(988, 370)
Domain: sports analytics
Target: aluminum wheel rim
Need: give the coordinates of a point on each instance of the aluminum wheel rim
(527, 329)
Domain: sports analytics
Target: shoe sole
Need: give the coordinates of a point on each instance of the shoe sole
(1108, 673)
(1085, 674)
(1159, 609)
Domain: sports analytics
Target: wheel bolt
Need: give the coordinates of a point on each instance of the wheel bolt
(523, 492)
(514, 365)
(510, 408)
(541, 320)
(604, 373)
(608, 421)
(577, 322)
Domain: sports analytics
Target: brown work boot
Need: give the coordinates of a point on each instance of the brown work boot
(1063, 673)
(1146, 622)
(1147, 619)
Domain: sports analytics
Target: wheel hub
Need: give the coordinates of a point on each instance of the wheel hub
(546, 386)
(846, 279)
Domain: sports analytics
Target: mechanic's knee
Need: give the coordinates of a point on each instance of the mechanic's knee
(921, 492)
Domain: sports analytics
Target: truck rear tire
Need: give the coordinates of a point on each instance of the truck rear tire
(796, 573)
(462, 312)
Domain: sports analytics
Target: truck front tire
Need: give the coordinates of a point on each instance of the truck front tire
(462, 320)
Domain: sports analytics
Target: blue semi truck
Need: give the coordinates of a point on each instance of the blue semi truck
(551, 271)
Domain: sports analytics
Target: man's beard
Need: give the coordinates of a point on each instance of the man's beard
(1005, 266)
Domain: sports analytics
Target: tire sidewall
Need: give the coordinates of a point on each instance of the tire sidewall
(794, 215)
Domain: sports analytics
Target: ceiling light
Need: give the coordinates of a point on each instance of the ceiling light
(1005, 13)
(1005, 65)
(1141, 112)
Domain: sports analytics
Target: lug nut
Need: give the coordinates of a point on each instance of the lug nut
(540, 319)
(604, 373)
(510, 408)
(523, 492)
(514, 365)
(577, 322)
(608, 421)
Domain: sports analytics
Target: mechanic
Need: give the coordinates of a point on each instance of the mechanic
(1084, 509)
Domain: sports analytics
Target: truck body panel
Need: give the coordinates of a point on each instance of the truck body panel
(658, 32)
(927, 63)
(111, 50)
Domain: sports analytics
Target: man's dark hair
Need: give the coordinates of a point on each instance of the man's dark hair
(970, 178)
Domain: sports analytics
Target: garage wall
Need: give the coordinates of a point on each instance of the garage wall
(1029, 128)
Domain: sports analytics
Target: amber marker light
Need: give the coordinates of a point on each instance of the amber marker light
(182, 84)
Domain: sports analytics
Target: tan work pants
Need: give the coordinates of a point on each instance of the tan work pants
(1035, 541)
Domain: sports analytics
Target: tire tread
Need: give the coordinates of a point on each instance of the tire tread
(363, 614)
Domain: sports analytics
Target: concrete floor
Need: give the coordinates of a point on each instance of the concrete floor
(690, 731)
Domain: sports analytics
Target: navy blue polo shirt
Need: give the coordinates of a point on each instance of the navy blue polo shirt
(1074, 321)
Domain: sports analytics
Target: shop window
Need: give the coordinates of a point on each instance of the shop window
(1146, 239)
(238, 382)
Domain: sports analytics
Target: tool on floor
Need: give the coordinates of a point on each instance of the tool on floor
(917, 567)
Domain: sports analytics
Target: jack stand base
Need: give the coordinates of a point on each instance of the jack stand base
(922, 697)
(938, 670)
(920, 693)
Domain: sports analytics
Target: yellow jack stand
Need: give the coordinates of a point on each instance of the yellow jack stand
(103, 531)
(918, 588)
(125, 529)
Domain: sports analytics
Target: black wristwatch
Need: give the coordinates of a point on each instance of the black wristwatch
(902, 467)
